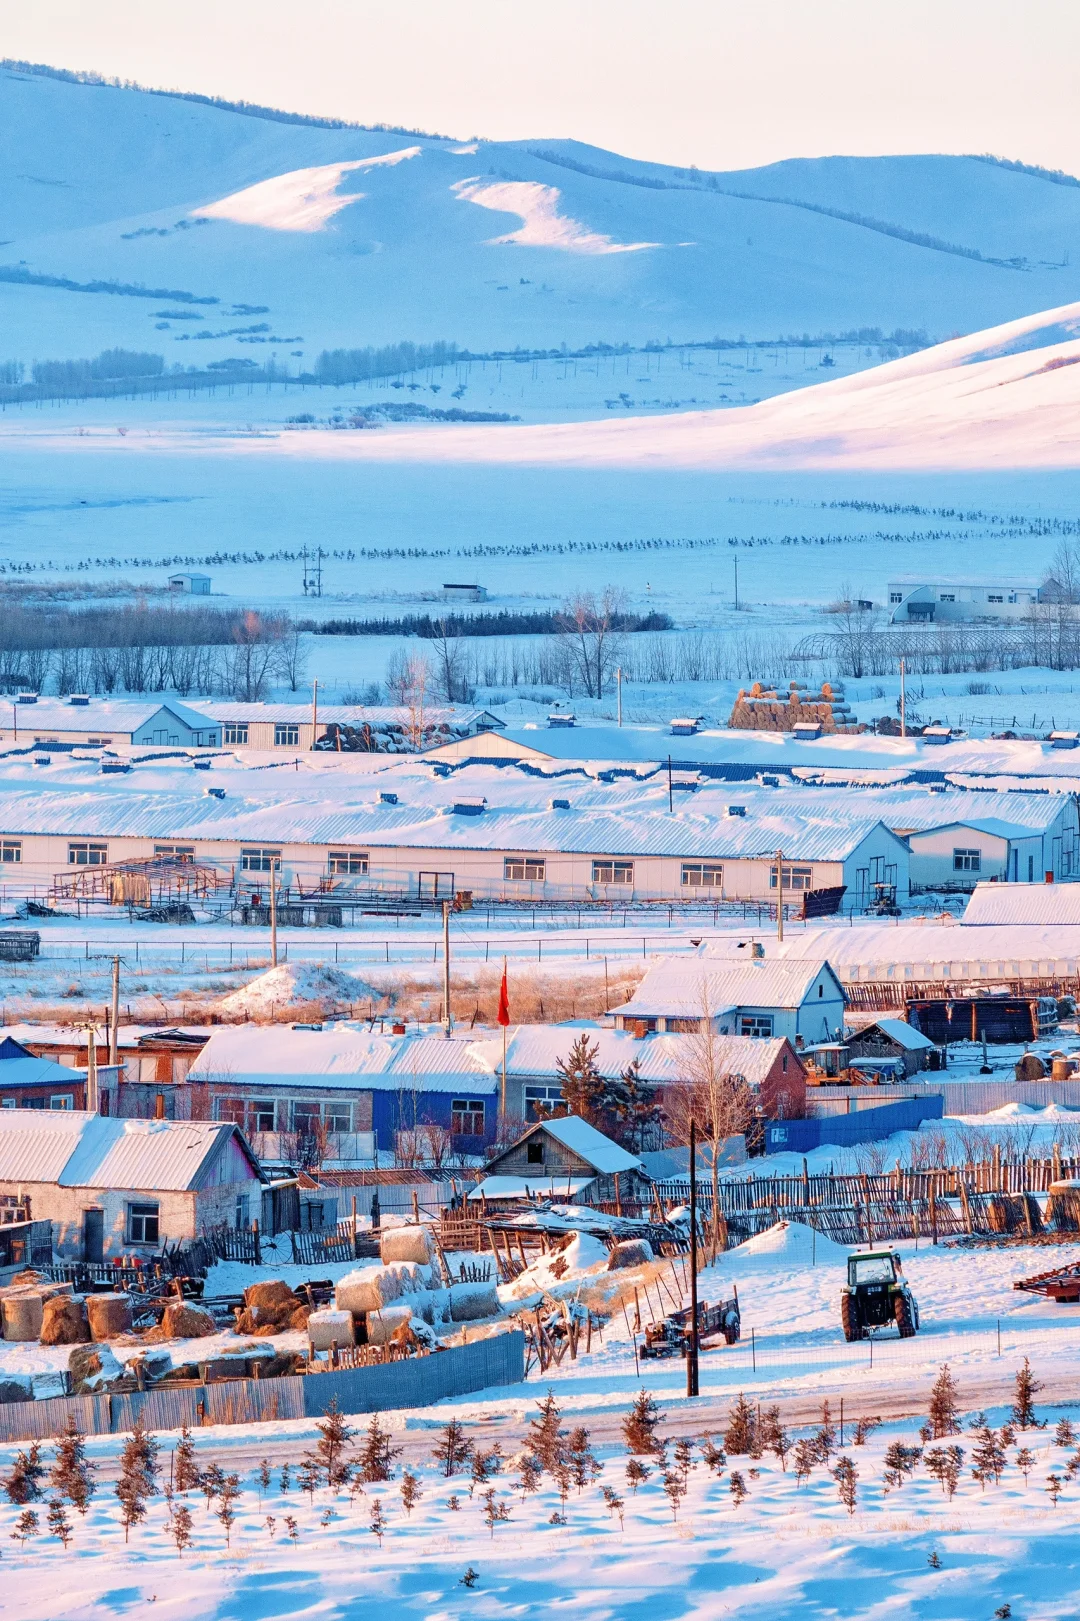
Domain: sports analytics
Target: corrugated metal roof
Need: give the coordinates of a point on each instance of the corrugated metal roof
(117, 714)
(929, 951)
(1042, 904)
(590, 1145)
(341, 1055)
(683, 989)
(537, 1187)
(37, 1072)
(451, 717)
(77, 1149)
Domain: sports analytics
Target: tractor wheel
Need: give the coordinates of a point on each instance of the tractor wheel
(849, 1317)
(905, 1321)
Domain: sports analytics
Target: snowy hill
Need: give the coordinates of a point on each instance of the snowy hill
(207, 234)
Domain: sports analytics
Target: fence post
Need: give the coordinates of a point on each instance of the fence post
(258, 1246)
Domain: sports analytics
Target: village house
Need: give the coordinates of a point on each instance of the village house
(892, 1039)
(100, 722)
(564, 1159)
(761, 996)
(125, 1187)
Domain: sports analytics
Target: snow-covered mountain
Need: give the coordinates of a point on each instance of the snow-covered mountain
(206, 233)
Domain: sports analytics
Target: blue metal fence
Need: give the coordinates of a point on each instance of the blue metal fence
(861, 1126)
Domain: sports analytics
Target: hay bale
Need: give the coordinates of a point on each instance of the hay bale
(406, 1244)
(631, 1252)
(64, 1321)
(183, 1322)
(388, 1325)
(280, 1366)
(471, 1301)
(91, 1367)
(327, 1328)
(109, 1316)
(368, 1288)
(299, 1319)
(269, 1297)
(15, 1390)
(23, 1313)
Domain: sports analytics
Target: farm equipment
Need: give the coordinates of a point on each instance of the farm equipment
(877, 1294)
(1061, 1284)
(671, 1337)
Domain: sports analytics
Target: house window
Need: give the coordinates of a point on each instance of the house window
(306, 1117)
(794, 877)
(467, 1117)
(1031, 869)
(286, 734)
(699, 875)
(62, 1100)
(175, 852)
(10, 850)
(534, 1154)
(347, 861)
(235, 732)
(262, 1114)
(338, 1116)
(524, 870)
(231, 1109)
(967, 860)
(88, 855)
(947, 596)
(539, 1099)
(992, 598)
(258, 860)
(613, 872)
(142, 1224)
(243, 1210)
(896, 596)
(758, 1025)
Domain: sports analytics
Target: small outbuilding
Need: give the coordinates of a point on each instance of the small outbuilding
(564, 1159)
(195, 585)
(894, 1039)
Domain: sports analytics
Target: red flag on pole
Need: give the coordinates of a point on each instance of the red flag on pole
(504, 1001)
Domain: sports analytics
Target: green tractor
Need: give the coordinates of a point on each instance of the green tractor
(876, 1294)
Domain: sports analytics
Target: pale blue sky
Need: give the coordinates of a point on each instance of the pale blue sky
(720, 83)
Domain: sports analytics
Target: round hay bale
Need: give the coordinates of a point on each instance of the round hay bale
(273, 1294)
(367, 1289)
(22, 1316)
(246, 1322)
(300, 1317)
(15, 1390)
(327, 1328)
(471, 1301)
(388, 1324)
(183, 1322)
(109, 1316)
(632, 1252)
(406, 1244)
(64, 1321)
(91, 1367)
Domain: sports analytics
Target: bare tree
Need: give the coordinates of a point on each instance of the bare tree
(290, 656)
(720, 1103)
(589, 638)
(451, 663)
(407, 681)
(249, 660)
(856, 625)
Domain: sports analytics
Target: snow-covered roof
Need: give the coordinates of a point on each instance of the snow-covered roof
(99, 714)
(605, 1157)
(436, 717)
(898, 1030)
(875, 950)
(534, 1049)
(524, 1187)
(1045, 904)
(682, 989)
(340, 1055)
(37, 1072)
(77, 1149)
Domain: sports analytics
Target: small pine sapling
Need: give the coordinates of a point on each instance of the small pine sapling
(138, 1476)
(377, 1455)
(284, 1481)
(334, 1436)
(804, 1457)
(737, 1488)
(637, 1474)
(564, 1478)
(271, 1526)
(411, 1490)
(263, 1478)
(988, 1457)
(377, 1524)
(327, 1517)
(944, 1464)
(23, 1484)
(454, 1505)
(292, 1528)
(614, 1502)
(1025, 1462)
(495, 1512)
(308, 1476)
(944, 1406)
(59, 1524)
(1053, 1486)
(180, 1528)
(584, 1465)
(774, 1437)
(933, 1559)
(546, 1439)
(557, 1518)
(675, 1487)
(26, 1526)
(1064, 1435)
(1027, 1388)
(900, 1463)
(1072, 1468)
(185, 1468)
(528, 1479)
(846, 1476)
(639, 1426)
(470, 1578)
(230, 1491)
(714, 1457)
(72, 1474)
(864, 1429)
(480, 1471)
(1008, 1434)
(1003, 1612)
(825, 1439)
(210, 1482)
(740, 1437)
(454, 1449)
(684, 1457)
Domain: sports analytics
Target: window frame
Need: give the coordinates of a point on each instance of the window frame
(141, 1218)
(11, 852)
(524, 870)
(95, 853)
(286, 734)
(966, 859)
(758, 1026)
(260, 858)
(184, 853)
(347, 863)
(234, 732)
(710, 875)
(621, 872)
(259, 1109)
(797, 879)
(464, 1114)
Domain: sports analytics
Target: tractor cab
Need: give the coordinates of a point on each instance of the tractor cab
(877, 1294)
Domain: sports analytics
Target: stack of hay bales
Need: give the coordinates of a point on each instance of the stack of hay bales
(271, 1308)
(23, 1304)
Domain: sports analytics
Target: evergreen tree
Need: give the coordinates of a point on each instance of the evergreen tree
(583, 1086)
(640, 1424)
(377, 1523)
(684, 1457)
(292, 1528)
(614, 1502)
(825, 1439)
(1053, 1486)
(529, 1476)
(584, 1466)
(944, 1406)
(411, 1492)
(271, 1525)
(774, 1438)
(865, 1427)
(494, 1512)
(262, 1478)
(715, 1458)
(846, 1475)
(1064, 1436)
(484, 1465)
(1025, 1462)
(900, 1463)
(227, 1497)
(23, 1484)
(185, 1468)
(180, 1528)
(59, 1524)
(1027, 1388)
(945, 1463)
(454, 1449)
(988, 1457)
(546, 1440)
(675, 1488)
(284, 1482)
(138, 1476)
(636, 1474)
(804, 1457)
(72, 1474)
(26, 1526)
(376, 1454)
(211, 1480)
(334, 1436)
(740, 1437)
(308, 1476)
(737, 1488)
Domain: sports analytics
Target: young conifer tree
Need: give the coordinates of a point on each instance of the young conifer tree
(334, 1436)
(584, 1465)
(944, 1406)
(72, 1474)
(740, 1437)
(180, 1528)
(23, 1483)
(185, 1467)
(454, 1449)
(637, 1474)
(1027, 1388)
(846, 1476)
(640, 1424)
(546, 1441)
(376, 1454)
(138, 1476)
(227, 1498)
(59, 1524)
(377, 1523)
(411, 1491)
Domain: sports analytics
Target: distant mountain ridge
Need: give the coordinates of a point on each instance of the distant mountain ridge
(340, 236)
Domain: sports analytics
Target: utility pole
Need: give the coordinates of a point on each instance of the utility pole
(92, 1099)
(273, 910)
(447, 1023)
(692, 1388)
(618, 690)
(115, 1009)
(670, 803)
(314, 713)
(780, 895)
(903, 702)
